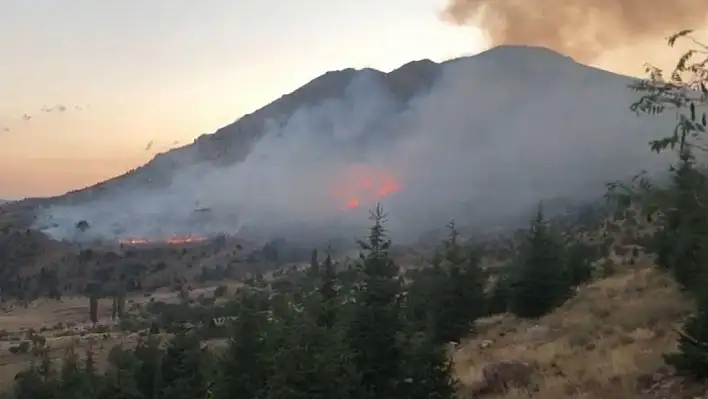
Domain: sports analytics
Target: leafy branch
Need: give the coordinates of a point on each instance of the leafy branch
(684, 92)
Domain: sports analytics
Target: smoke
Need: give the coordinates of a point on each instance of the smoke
(483, 143)
(582, 29)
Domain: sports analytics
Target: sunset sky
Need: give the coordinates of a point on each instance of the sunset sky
(102, 79)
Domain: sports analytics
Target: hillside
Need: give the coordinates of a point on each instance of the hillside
(487, 135)
(220, 282)
(605, 341)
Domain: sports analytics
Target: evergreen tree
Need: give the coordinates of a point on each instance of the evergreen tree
(692, 356)
(328, 294)
(686, 225)
(376, 318)
(185, 368)
(313, 361)
(148, 376)
(75, 383)
(37, 382)
(464, 299)
(541, 282)
(578, 263)
(119, 381)
(425, 295)
(246, 365)
(682, 240)
(426, 368)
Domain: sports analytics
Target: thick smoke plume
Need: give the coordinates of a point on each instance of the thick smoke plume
(481, 142)
(582, 29)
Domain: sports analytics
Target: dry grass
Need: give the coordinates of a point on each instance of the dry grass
(598, 345)
(60, 322)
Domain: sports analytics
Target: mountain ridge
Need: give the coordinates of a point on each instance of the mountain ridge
(487, 135)
(232, 142)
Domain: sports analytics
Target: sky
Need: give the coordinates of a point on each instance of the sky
(87, 86)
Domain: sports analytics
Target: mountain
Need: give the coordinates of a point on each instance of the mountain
(480, 138)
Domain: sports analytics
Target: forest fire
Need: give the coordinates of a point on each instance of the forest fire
(173, 240)
(364, 184)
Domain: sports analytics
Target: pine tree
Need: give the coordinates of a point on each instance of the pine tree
(313, 361)
(426, 295)
(426, 368)
(578, 263)
(541, 282)
(184, 368)
(686, 225)
(148, 377)
(75, 383)
(37, 382)
(464, 299)
(376, 318)
(246, 366)
(330, 301)
(692, 356)
(119, 381)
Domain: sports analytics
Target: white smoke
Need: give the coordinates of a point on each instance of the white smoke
(494, 134)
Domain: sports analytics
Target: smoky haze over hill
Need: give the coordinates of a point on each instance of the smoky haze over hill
(479, 139)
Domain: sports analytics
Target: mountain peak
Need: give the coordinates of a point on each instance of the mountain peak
(232, 143)
(512, 52)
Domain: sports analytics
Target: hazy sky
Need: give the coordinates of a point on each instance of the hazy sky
(129, 72)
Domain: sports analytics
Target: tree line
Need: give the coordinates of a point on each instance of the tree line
(367, 332)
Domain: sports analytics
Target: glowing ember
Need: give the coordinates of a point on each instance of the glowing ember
(174, 240)
(364, 184)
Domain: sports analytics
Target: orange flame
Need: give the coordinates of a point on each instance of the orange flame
(364, 184)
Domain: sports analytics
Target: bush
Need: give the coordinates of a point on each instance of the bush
(221, 291)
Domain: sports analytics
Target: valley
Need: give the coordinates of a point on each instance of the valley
(244, 264)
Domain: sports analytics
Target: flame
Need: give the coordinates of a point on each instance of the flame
(364, 184)
(173, 240)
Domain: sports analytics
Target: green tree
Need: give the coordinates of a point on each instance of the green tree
(682, 239)
(541, 282)
(148, 377)
(330, 301)
(376, 318)
(313, 361)
(246, 366)
(185, 368)
(691, 358)
(119, 381)
(425, 296)
(75, 382)
(686, 225)
(426, 368)
(37, 382)
(579, 263)
(463, 296)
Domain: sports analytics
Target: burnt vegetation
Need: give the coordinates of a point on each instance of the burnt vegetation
(370, 328)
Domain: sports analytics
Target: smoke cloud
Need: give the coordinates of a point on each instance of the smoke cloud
(582, 29)
(483, 143)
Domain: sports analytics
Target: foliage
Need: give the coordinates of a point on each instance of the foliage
(359, 333)
(681, 241)
(541, 282)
